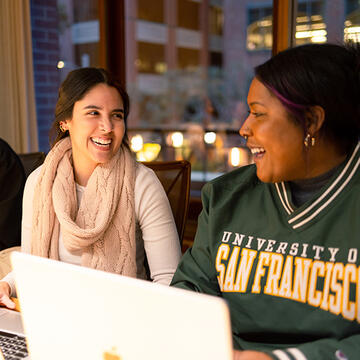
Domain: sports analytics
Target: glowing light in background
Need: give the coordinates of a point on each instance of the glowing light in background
(136, 143)
(235, 156)
(149, 152)
(60, 64)
(316, 36)
(177, 139)
(160, 67)
(210, 137)
(238, 157)
(351, 32)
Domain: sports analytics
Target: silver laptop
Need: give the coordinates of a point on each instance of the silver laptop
(10, 321)
(72, 312)
(12, 338)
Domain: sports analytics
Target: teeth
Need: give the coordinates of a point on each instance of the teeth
(101, 141)
(255, 151)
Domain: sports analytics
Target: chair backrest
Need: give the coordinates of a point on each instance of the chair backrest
(31, 161)
(5, 264)
(175, 178)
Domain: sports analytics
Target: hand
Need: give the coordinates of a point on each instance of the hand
(5, 295)
(250, 355)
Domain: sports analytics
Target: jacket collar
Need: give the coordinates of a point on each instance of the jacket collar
(297, 218)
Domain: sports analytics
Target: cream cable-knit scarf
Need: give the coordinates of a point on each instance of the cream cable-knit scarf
(103, 229)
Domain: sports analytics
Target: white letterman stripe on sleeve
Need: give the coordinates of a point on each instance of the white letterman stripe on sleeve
(281, 355)
(296, 353)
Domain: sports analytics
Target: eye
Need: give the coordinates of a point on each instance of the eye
(118, 116)
(93, 112)
(254, 113)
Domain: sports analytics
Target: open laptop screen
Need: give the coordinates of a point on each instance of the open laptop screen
(72, 312)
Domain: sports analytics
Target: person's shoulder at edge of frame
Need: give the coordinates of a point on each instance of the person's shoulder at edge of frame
(9, 157)
(5, 148)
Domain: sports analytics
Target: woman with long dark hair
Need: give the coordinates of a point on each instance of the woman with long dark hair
(91, 203)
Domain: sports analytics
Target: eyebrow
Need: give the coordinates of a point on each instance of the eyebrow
(100, 108)
(256, 103)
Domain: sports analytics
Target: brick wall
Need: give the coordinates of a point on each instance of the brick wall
(45, 42)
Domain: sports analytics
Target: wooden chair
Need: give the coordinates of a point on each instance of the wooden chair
(31, 161)
(175, 178)
(5, 264)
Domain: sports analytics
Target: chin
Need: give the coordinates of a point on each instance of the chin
(102, 159)
(267, 178)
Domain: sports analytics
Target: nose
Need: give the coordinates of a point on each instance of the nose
(245, 131)
(106, 125)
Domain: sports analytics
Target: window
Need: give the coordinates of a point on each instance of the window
(188, 14)
(352, 21)
(194, 107)
(259, 29)
(79, 35)
(216, 59)
(216, 20)
(310, 23)
(151, 10)
(84, 10)
(151, 58)
(188, 58)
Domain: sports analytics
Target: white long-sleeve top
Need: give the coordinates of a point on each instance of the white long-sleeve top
(155, 228)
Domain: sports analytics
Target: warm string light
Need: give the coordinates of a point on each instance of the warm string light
(136, 143)
(177, 139)
(210, 137)
(144, 151)
(149, 152)
(60, 64)
(237, 156)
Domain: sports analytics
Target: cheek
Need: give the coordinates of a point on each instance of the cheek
(286, 156)
(119, 131)
(285, 139)
(285, 149)
(284, 146)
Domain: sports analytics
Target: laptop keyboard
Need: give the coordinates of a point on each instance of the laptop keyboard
(13, 346)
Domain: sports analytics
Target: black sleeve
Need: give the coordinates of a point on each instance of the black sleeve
(12, 181)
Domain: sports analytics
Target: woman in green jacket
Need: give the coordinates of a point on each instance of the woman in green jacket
(280, 239)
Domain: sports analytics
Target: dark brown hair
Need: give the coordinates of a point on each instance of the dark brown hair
(326, 75)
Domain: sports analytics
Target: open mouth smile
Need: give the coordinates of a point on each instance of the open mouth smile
(257, 152)
(101, 142)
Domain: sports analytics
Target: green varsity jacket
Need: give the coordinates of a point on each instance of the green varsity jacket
(290, 276)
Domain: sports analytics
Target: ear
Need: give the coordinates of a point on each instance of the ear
(315, 118)
(64, 125)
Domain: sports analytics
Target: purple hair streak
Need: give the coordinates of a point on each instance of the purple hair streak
(296, 110)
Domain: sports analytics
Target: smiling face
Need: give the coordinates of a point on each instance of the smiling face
(96, 129)
(274, 139)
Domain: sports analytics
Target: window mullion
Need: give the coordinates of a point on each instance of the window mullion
(284, 22)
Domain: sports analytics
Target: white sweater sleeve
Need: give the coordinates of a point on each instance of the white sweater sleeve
(161, 241)
(26, 222)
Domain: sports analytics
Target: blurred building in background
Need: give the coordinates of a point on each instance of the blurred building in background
(188, 67)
